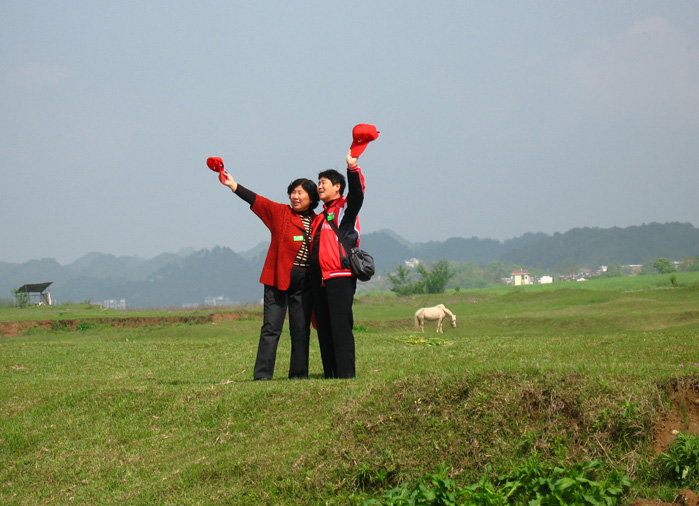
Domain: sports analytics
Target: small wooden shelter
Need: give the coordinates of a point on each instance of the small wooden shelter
(38, 292)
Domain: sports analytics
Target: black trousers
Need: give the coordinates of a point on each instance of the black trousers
(297, 298)
(332, 306)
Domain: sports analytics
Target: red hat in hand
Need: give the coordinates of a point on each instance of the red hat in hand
(362, 135)
(215, 163)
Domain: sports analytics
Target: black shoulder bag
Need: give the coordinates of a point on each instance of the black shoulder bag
(361, 262)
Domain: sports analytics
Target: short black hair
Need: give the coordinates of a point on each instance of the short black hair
(310, 188)
(335, 178)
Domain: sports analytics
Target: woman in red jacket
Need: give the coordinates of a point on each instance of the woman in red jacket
(285, 273)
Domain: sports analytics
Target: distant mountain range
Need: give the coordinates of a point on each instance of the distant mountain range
(189, 276)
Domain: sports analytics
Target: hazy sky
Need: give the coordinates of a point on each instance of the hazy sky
(496, 118)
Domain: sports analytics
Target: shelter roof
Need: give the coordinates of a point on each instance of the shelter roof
(34, 288)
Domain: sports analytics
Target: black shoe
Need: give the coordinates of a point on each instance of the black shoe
(262, 379)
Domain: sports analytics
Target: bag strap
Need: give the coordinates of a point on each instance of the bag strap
(305, 235)
(339, 235)
(306, 240)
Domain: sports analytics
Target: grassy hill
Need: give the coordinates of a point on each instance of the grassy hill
(165, 415)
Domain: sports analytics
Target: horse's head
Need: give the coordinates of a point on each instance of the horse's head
(453, 320)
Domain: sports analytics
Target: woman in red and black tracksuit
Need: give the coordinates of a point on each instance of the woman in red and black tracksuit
(285, 273)
(332, 282)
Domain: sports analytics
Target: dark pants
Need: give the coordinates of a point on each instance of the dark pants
(298, 300)
(332, 307)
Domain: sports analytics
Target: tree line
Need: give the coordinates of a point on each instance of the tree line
(435, 277)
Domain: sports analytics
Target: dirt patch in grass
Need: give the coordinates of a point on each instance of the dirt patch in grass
(684, 498)
(17, 328)
(681, 416)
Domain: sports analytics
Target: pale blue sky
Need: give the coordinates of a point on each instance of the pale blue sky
(496, 118)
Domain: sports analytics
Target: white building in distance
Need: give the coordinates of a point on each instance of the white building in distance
(520, 277)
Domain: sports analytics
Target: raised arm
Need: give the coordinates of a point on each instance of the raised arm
(355, 199)
(351, 161)
(230, 182)
(355, 186)
(242, 192)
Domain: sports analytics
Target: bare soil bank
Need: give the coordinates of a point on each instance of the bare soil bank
(682, 416)
(8, 329)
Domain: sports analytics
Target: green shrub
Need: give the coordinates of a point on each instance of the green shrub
(433, 281)
(57, 326)
(22, 298)
(680, 464)
(531, 483)
(86, 325)
(581, 484)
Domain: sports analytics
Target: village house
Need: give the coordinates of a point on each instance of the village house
(520, 277)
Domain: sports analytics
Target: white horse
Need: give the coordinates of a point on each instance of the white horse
(438, 312)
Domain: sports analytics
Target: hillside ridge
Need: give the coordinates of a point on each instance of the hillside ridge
(222, 276)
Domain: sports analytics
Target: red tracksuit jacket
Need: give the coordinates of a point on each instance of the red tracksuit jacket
(326, 248)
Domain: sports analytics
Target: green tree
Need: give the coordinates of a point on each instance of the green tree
(435, 281)
(496, 271)
(664, 266)
(689, 264)
(402, 285)
(468, 275)
(22, 298)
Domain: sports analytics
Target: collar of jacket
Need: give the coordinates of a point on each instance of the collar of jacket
(327, 206)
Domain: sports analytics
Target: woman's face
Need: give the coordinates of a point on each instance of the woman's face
(299, 199)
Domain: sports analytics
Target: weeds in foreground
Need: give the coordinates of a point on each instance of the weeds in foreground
(532, 483)
(680, 464)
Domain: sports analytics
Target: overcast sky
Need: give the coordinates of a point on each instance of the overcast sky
(496, 118)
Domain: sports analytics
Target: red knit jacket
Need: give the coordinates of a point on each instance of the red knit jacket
(287, 230)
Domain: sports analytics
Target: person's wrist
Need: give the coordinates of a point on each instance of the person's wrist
(352, 166)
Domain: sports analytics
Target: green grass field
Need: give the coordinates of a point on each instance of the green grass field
(168, 415)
